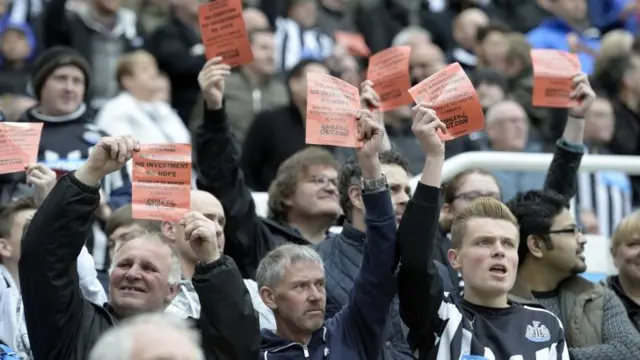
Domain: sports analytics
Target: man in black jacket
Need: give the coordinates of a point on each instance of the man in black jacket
(145, 272)
(308, 181)
(303, 200)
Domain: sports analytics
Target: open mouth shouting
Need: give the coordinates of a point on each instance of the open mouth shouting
(498, 270)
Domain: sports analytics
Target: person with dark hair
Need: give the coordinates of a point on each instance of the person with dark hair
(551, 258)
(469, 185)
(264, 149)
(342, 255)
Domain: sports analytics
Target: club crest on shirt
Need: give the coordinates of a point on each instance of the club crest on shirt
(537, 332)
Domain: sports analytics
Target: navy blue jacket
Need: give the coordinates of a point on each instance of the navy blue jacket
(342, 256)
(356, 331)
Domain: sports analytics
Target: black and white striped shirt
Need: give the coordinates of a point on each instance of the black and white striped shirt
(461, 330)
(294, 44)
(442, 326)
(608, 194)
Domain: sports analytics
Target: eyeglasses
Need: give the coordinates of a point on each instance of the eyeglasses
(472, 195)
(323, 180)
(572, 230)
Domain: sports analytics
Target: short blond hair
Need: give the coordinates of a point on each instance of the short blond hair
(484, 207)
(625, 229)
(128, 63)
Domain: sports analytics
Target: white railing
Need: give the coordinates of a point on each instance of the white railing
(597, 253)
(493, 160)
(528, 162)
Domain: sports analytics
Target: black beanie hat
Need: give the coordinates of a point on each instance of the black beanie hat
(54, 58)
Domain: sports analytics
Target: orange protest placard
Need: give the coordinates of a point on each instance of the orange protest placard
(389, 72)
(353, 42)
(553, 71)
(223, 32)
(161, 183)
(332, 105)
(452, 96)
(18, 145)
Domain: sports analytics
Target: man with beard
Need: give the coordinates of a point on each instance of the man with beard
(550, 258)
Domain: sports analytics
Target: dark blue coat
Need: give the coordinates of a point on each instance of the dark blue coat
(356, 331)
(342, 256)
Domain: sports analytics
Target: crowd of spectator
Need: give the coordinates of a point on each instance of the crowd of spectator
(105, 76)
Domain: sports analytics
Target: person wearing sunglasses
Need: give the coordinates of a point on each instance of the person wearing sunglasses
(551, 259)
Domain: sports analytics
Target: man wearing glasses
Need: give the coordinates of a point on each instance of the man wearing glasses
(551, 257)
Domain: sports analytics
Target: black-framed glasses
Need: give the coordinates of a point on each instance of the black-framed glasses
(472, 195)
(572, 230)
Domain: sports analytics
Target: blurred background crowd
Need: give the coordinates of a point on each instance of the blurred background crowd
(138, 61)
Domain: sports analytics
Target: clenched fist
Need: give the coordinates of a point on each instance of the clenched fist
(203, 235)
(425, 128)
(584, 94)
(109, 155)
(211, 80)
(42, 178)
(371, 133)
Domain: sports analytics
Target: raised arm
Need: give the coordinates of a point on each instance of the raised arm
(218, 167)
(562, 173)
(420, 288)
(44, 179)
(363, 319)
(53, 303)
(228, 322)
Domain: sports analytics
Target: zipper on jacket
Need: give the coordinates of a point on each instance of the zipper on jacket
(306, 351)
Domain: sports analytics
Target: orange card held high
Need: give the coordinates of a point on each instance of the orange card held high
(161, 182)
(452, 96)
(553, 71)
(332, 105)
(19, 144)
(389, 72)
(223, 31)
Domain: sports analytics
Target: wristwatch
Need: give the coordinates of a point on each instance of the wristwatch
(374, 185)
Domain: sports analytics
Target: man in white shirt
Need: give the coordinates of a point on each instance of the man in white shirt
(137, 110)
